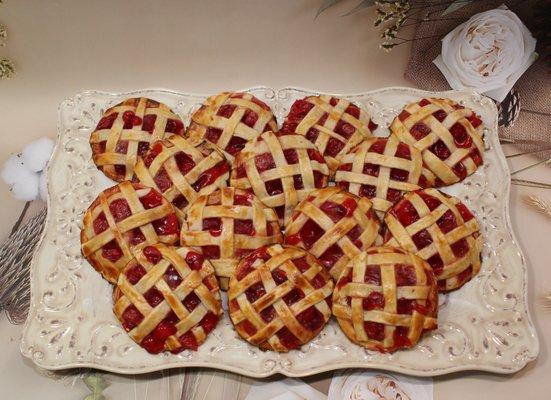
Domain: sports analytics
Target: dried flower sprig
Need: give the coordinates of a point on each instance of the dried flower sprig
(539, 204)
(7, 69)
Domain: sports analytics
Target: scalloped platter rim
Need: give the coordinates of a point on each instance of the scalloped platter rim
(484, 326)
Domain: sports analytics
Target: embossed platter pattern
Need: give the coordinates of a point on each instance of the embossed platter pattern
(483, 326)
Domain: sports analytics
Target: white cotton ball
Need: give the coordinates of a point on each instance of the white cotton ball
(42, 187)
(26, 189)
(12, 170)
(36, 154)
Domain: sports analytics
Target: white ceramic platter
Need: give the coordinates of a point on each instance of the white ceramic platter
(483, 326)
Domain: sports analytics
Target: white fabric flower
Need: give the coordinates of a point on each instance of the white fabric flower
(488, 53)
(24, 172)
(373, 385)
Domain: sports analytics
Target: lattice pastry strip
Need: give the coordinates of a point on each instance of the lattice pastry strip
(167, 298)
(439, 229)
(383, 169)
(124, 217)
(334, 125)
(229, 120)
(334, 226)
(182, 170)
(281, 169)
(278, 297)
(228, 224)
(125, 133)
(448, 135)
(385, 299)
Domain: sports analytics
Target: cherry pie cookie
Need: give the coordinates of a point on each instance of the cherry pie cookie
(440, 229)
(281, 169)
(122, 218)
(383, 169)
(182, 171)
(226, 225)
(385, 299)
(334, 125)
(448, 135)
(229, 120)
(126, 131)
(279, 298)
(334, 226)
(167, 298)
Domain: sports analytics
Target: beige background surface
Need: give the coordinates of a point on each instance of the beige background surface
(64, 47)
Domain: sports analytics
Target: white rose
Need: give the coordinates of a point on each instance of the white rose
(488, 53)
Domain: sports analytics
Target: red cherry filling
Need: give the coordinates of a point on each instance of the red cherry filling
(152, 254)
(195, 260)
(436, 264)
(405, 212)
(121, 147)
(249, 118)
(405, 275)
(440, 115)
(331, 256)
(162, 180)
(302, 264)
(264, 162)
(374, 330)
(422, 239)
(148, 124)
(167, 226)
(318, 281)
(372, 275)
(401, 337)
(274, 187)
(255, 292)
(287, 339)
(135, 273)
(460, 248)
(440, 150)
(367, 191)
(211, 251)
(372, 125)
(353, 110)
(100, 224)
(279, 276)
(213, 134)
(172, 278)
(338, 211)
(111, 251)
(244, 227)
(268, 314)
(180, 202)
(474, 120)
(191, 301)
(460, 170)
(188, 341)
(131, 318)
(293, 296)
(235, 145)
(403, 115)
(424, 102)
(311, 318)
(151, 199)
(371, 169)
(155, 341)
(431, 202)
(209, 176)
(344, 129)
(184, 162)
(120, 209)
(130, 119)
(464, 212)
(419, 130)
(208, 322)
(309, 234)
(153, 297)
(375, 301)
(461, 138)
(135, 237)
(174, 126)
(447, 222)
(154, 151)
(213, 225)
(107, 122)
(333, 147)
(399, 175)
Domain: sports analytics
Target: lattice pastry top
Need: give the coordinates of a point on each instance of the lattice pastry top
(448, 135)
(440, 229)
(229, 120)
(182, 170)
(167, 298)
(383, 169)
(334, 226)
(334, 125)
(281, 169)
(122, 218)
(226, 225)
(385, 299)
(126, 131)
(279, 297)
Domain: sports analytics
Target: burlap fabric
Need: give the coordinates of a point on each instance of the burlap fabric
(534, 87)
